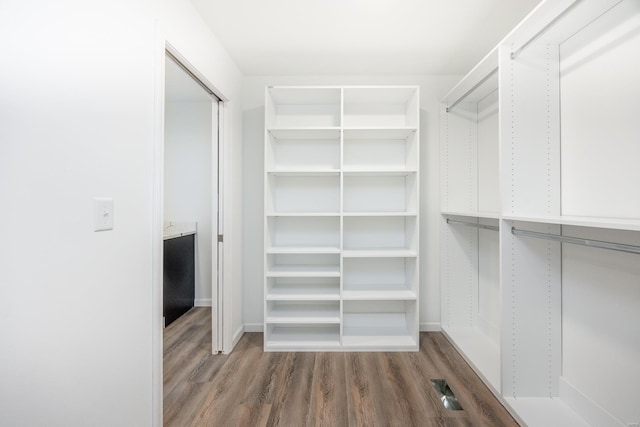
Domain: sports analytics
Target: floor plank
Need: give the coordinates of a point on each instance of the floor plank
(252, 388)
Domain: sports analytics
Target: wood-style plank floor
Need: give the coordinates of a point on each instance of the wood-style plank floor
(252, 388)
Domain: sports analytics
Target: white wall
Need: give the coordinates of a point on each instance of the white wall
(184, 29)
(76, 121)
(187, 180)
(432, 89)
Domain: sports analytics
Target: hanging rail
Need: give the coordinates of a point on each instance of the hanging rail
(470, 91)
(578, 241)
(473, 224)
(544, 29)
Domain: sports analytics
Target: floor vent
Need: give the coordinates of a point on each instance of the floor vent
(448, 399)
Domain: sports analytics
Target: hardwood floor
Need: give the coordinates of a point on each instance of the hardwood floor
(252, 388)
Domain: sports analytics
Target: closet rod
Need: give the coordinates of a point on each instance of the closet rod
(578, 241)
(473, 224)
(470, 91)
(544, 29)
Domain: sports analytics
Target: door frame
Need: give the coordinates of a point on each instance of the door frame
(221, 318)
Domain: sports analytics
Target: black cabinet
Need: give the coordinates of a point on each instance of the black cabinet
(179, 277)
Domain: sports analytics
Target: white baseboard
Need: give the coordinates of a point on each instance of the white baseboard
(254, 327)
(202, 302)
(236, 336)
(586, 408)
(430, 327)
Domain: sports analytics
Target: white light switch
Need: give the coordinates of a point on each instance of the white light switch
(102, 214)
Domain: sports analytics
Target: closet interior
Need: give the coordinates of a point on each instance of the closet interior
(540, 228)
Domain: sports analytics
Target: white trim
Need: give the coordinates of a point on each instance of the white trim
(157, 246)
(592, 413)
(254, 327)
(202, 302)
(430, 327)
(236, 337)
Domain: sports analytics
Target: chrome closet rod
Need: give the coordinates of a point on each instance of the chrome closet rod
(578, 241)
(516, 52)
(470, 91)
(473, 224)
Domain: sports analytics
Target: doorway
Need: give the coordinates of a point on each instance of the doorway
(191, 197)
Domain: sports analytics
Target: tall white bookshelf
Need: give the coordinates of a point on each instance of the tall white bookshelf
(540, 231)
(341, 218)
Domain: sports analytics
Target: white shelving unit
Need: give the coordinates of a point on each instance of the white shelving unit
(542, 137)
(341, 218)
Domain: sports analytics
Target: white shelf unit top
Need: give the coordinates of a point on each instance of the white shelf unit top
(341, 218)
(303, 107)
(380, 107)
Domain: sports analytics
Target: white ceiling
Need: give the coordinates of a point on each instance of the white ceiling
(389, 37)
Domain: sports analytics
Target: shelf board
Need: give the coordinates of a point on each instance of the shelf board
(303, 250)
(486, 215)
(302, 344)
(381, 214)
(379, 253)
(357, 133)
(304, 271)
(302, 337)
(304, 172)
(304, 95)
(544, 411)
(311, 295)
(304, 320)
(478, 350)
(378, 338)
(377, 172)
(581, 221)
(305, 214)
(379, 295)
(306, 133)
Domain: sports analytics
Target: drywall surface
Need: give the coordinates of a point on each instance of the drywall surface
(76, 122)
(432, 89)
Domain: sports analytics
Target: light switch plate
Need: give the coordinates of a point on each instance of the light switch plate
(102, 214)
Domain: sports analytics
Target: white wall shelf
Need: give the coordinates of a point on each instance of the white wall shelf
(341, 218)
(542, 136)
